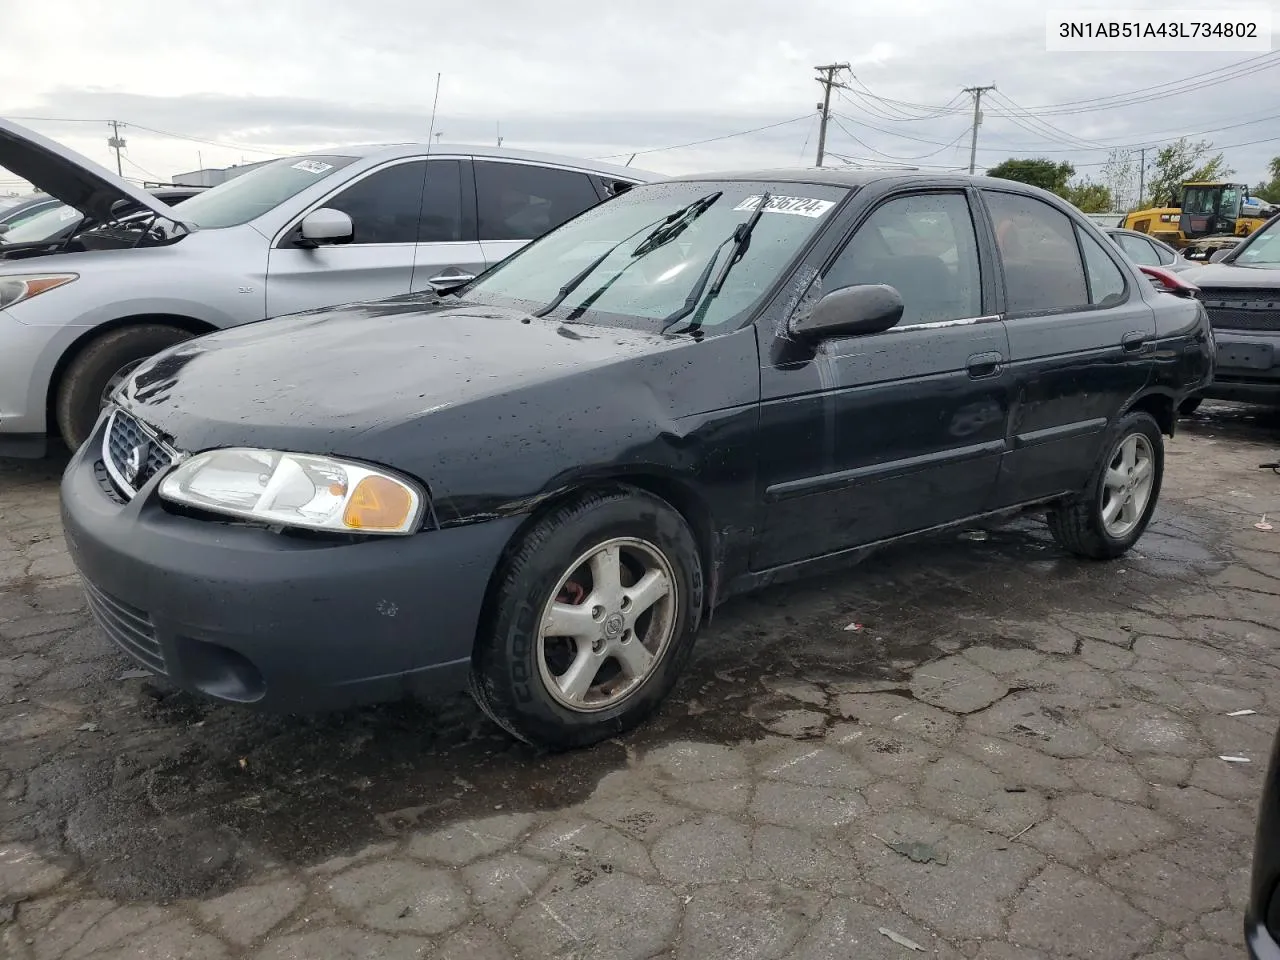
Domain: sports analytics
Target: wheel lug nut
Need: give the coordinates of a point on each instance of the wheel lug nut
(597, 612)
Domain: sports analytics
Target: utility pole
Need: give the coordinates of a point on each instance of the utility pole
(828, 80)
(1142, 175)
(116, 144)
(977, 121)
(498, 127)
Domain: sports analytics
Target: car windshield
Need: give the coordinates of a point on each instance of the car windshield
(252, 194)
(1263, 249)
(640, 282)
(42, 226)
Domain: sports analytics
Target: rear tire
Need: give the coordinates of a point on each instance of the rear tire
(1095, 525)
(632, 643)
(80, 392)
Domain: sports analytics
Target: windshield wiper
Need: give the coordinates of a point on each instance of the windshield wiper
(741, 240)
(666, 228)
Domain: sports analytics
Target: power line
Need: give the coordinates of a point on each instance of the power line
(695, 143)
(214, 143)
(1063, 135)
(804, 147)
(946, 109)
(137, 166)
(1224, 146)
(1140, 95)
(889, 156)
(1120, 101)
(163, 133)
(1230, 68)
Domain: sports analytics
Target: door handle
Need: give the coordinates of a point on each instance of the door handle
(450, 279)
(985, 365)
(1135, 342)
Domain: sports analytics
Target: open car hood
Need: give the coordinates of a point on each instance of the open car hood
(67, 176)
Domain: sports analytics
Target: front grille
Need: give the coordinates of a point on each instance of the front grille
(132, 453)
(128, 628)
(1244, 309)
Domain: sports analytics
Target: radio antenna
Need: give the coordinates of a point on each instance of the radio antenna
(434, 103)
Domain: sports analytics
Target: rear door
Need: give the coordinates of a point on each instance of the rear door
(517, 202)
(384, 206)
(1080, 341)
(899, 431)
(447, 244)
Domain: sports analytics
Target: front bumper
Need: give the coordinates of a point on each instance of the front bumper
(283, 623)
(1247, 367)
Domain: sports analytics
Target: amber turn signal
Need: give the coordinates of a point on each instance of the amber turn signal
(378, 504)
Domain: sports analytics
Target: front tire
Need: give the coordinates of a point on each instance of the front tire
(591, 620)
(1107, 520)
(95, 371)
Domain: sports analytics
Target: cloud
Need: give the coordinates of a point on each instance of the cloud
(241, 80)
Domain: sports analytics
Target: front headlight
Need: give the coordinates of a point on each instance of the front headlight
(296, 490)
(15, 289)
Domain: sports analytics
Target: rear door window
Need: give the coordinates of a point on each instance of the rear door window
(1164, 254)
(1043, 270)
(1106, 282)
(522, 201)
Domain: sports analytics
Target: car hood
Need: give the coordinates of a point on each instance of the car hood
(1226, 276)
(315, 381)
(67, 176)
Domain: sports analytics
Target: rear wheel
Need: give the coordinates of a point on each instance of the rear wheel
(591, 620)
(1115, 510)
(99, 368)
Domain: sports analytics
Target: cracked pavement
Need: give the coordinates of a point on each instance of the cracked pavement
(977, 747)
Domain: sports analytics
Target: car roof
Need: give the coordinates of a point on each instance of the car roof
(399, 151)
(861, 177)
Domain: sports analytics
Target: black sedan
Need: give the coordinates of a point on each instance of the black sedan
(539, 484)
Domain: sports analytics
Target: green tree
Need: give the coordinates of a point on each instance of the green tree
(1039, 173)
(1270, 191)
(1090, 197)
(1181, 161)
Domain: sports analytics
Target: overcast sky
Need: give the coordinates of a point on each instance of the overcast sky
(272, 77)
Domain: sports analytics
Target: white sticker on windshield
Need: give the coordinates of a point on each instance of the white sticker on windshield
(800, 206)
(69, 214)
(312, 166)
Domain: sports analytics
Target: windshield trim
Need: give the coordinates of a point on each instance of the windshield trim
(748, 315)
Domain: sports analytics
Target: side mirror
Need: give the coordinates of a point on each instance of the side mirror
(1218, 255)
(850, 312)
(325, 225)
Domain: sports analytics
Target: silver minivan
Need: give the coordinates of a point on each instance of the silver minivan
(347, 225)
